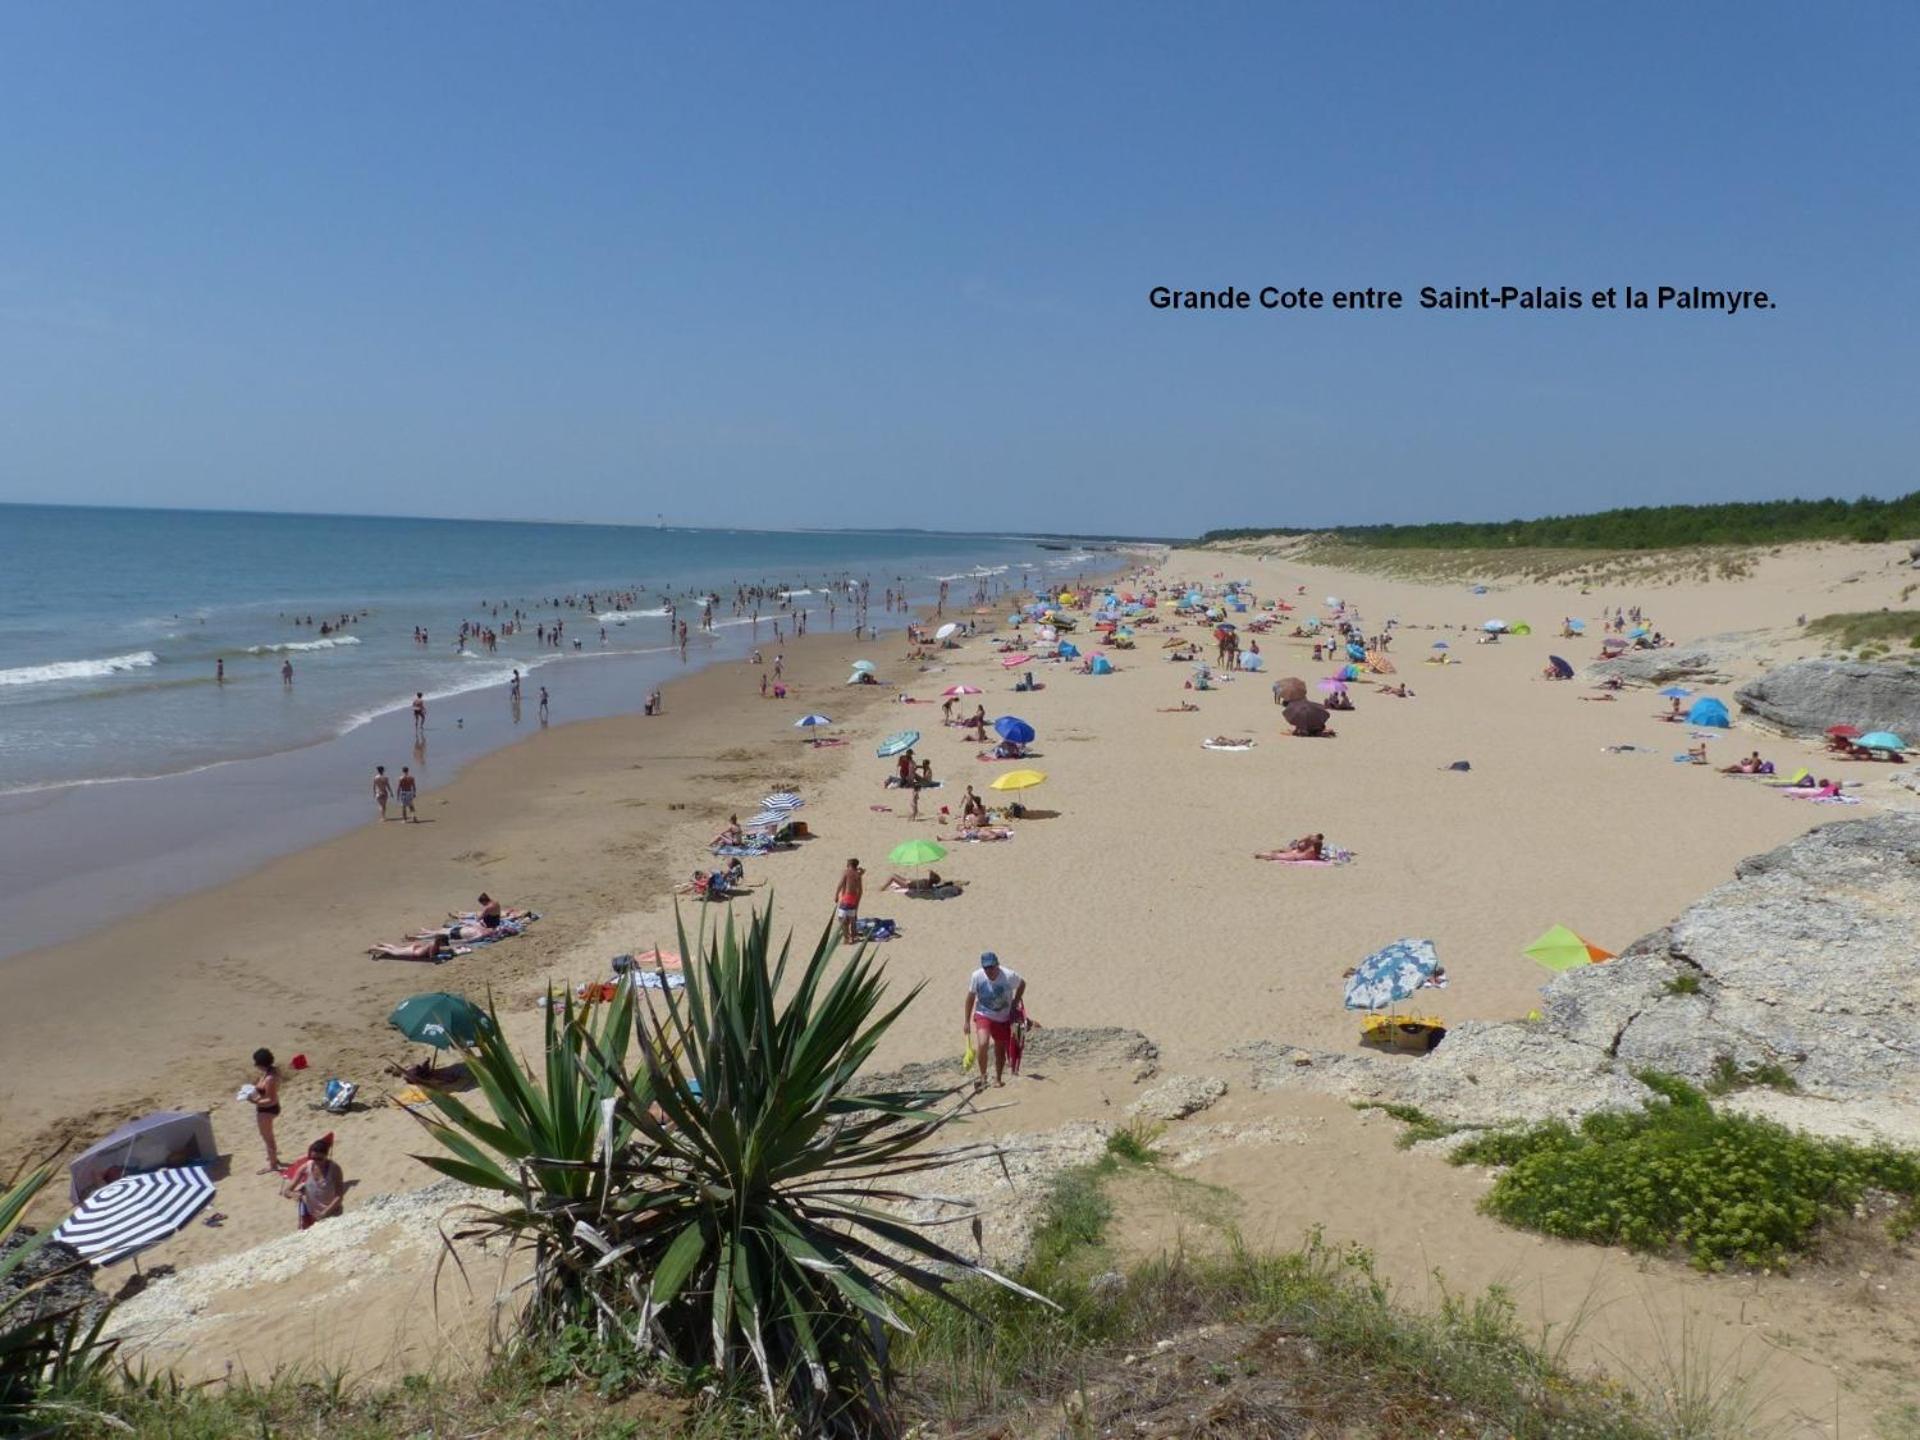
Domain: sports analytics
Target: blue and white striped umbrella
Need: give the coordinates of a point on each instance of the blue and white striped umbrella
(782, 801)
(1392, 974)
(134, 1211)
(769, 820)
(807, 722)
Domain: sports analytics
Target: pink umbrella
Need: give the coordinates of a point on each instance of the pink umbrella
(955, 690)
(1332, 685)
(1012, 660)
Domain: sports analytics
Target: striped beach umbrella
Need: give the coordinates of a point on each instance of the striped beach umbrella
(782, 801)
(809, 722)
(134, 1211)
(895, 743)
(768, 820)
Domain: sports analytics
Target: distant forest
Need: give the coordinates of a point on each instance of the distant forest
(1648, 527)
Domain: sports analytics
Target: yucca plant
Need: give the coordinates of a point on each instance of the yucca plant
(44, 1348)
(743, 1210)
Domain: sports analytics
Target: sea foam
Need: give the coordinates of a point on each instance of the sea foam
(78, 669)
(328, 644)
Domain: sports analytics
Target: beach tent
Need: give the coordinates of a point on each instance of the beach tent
(1069, 650)
(1710, 712)
(164, 1138)
(1522, 628)
(1356, 651)
(1250, 661)
(1560, 667)
(1561, 949)
(1101, 666)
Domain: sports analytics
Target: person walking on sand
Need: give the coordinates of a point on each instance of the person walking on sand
(317, 1183)
(264, 1096)
(419, 715)
(846, 900)
(382, 789)
(994, 995)
(408, 791)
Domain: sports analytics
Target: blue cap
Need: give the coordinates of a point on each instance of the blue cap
(989, 960)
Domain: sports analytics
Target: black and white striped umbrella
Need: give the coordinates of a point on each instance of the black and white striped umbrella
(782, 800)
(132, 1212)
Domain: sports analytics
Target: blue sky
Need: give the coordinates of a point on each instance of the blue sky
(879, 264)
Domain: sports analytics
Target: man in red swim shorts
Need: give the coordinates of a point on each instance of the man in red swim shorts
(994, 994)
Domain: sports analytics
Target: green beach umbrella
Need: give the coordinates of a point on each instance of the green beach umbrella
(1561, 949)
(439, 1020)
(916, 852)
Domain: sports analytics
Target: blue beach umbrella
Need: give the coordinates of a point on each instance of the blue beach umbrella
(1389, 976)
(863, 665)
(1012, 727)
(895, 743)
(1576, 626)
(809, 722)
(1439, 644)
(1881, 740)
(1676, 692)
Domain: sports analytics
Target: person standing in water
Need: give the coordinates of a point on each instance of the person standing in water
(219, 672)
(286, 673)
(543, 704)
(419, 715)
(382, 789)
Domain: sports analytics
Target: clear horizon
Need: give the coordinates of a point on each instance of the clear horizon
(890, 268)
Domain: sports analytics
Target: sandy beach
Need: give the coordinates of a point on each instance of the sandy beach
(1128, 899)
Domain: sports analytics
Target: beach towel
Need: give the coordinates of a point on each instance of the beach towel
(1210, 745)
(938, 892)
(745, 851)
(654, 980)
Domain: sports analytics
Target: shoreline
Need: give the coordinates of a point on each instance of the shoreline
(1128, 900)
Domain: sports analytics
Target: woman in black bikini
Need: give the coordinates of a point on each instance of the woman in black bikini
(266, 1105)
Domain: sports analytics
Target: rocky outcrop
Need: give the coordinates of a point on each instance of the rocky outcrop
(1657, 667)
(1806, 697)
(1177, 1097)
(1802, 964)
(55, 1279)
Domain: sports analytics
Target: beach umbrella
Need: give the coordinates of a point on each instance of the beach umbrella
(1334, 600)
(916, 852)
(134, 1211)
(152, 1142)
(1291, 688)
(1019, 780)
(1576, 626)
(1012, 727)
(439, 1020)
(864, 667)
(1331, 684)
(896, 742)
(946, 631)
(1013, 662)
(1305, 717)
(1494, 626)
(1560, 667)
(1440, 645)
(1881, 740)
(1613, 642)
(1392, 974)
(1479, 590)
(1638, 632)
(1520, 627)
(1676, 692)
(768, 820)
(955, 691)
(811, 722)
(1561, 949)
(1253, 662)
(781, 801)
(1844, 732)
(1356, 651)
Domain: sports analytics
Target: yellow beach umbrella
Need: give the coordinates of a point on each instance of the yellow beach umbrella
(1019, 780)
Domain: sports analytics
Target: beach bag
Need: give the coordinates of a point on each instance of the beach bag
(340, 1095)
(968, 1057)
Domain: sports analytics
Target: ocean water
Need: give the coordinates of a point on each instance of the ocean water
(113, 623)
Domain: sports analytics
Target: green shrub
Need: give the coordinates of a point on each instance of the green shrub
(1420, 1125)
(1726, 1189)
(1685, 983)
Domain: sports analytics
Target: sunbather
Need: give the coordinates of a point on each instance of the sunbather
(433, 947)
(912, 885)
(1307, 847)
(981, 833)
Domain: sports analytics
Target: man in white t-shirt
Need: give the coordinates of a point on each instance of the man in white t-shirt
(994, 994)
